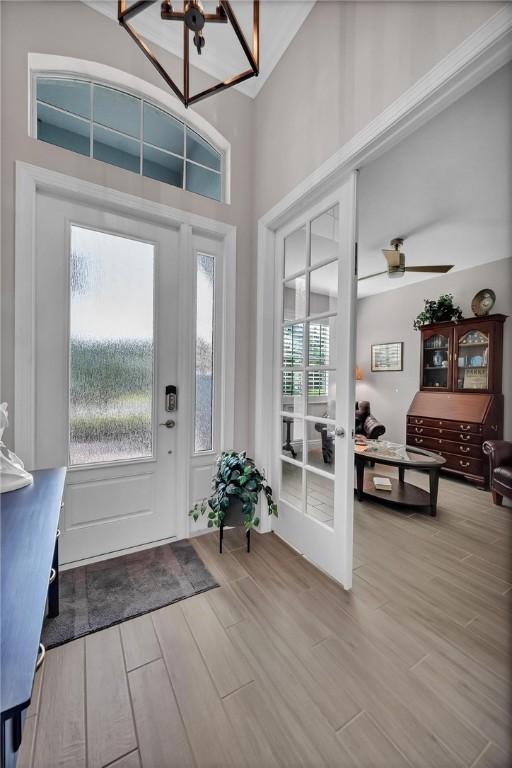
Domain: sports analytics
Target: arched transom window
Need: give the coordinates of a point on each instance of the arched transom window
(128, 131)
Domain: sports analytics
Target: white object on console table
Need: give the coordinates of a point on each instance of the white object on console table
(13, 474)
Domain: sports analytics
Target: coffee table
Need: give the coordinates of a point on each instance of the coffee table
(402, 493)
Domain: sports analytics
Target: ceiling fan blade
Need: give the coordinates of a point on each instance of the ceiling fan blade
(431, 268)
(375, 274)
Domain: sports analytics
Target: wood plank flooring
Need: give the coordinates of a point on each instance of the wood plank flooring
(281, 667)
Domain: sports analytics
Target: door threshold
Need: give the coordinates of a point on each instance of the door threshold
(116, 553)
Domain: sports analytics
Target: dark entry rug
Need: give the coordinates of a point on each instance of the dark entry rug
(96, 596)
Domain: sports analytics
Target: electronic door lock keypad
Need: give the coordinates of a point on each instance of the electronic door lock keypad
(171, 398)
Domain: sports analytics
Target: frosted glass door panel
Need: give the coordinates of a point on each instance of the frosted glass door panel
(204, 353)
(111, 348)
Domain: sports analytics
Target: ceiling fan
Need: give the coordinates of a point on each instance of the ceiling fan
(396, 262)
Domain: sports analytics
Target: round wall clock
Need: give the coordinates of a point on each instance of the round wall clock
(483, 302)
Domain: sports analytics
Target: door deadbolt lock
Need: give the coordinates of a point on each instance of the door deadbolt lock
(169, 423)
(339, 432)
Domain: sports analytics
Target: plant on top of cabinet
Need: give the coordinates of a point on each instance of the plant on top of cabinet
(438, 310)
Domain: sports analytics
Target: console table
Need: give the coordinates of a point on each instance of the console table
(29, 580)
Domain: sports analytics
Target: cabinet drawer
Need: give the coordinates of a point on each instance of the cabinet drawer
(465, 427)
(424, 421)
(441, 444)
(445, 434)
(464, 464)
(456, 426)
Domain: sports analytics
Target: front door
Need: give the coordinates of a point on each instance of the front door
(106, 326)
(315, 272)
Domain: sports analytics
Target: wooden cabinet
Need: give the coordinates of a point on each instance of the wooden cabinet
(464, 356)
(459, 404)
(455, 425)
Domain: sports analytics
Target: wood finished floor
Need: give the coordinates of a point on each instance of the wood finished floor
(281, 667)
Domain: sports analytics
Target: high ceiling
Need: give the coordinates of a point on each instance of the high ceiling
(445, 189)
(222, 56)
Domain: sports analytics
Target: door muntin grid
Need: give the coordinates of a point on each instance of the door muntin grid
(308, 365)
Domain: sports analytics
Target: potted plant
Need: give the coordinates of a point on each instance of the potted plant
(237, 484)
(436, 311)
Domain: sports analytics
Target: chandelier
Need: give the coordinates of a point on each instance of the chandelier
(194, 19)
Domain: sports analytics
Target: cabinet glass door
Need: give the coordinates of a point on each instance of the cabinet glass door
(436, 361)
(472, 363)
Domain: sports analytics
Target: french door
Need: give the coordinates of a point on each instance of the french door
(314, 365)
(113, 297)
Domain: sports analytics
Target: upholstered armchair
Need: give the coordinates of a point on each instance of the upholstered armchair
(365, 424)
(500, 468)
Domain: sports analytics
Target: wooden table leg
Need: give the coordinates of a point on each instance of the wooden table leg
(401, 474)
(359, 477)
(434, 486)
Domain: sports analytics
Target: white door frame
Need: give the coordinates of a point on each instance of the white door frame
(475, 59)
(30, 180)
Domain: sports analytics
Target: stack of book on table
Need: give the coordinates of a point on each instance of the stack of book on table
(382, 484)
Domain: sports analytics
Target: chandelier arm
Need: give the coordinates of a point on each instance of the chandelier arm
(124, 12)
(215, 18)
(186, 64)
(174, 16)
(154, 61)
(239, 33)
(218, 87)
(256, 32)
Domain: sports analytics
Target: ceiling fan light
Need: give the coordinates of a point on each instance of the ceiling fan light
(394, 257)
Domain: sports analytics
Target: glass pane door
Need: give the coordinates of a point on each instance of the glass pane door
(436, 361)
(473, 360)
(314, 463)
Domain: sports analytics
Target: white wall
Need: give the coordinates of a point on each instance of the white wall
(389, 317)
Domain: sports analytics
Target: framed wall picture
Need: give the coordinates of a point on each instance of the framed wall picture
(388, 357)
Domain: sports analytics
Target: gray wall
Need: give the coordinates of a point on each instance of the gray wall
(389, 317)
(73, 29)
(346, 64)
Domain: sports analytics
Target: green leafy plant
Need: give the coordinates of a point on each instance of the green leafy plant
(237, 477)
(435, 311)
